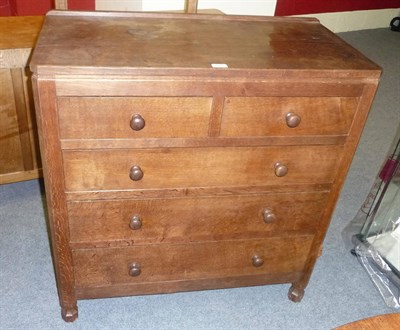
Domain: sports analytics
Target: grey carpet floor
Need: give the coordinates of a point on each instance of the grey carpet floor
(339, 291)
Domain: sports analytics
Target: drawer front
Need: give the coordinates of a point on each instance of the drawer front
(165, 262)
(188, 219)
(284, 116)
(111, 117)
(198, 167)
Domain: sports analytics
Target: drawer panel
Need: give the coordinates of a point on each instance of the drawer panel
(110, 117)
(270, 116)
(165, 262)
(198, 167)
(189, 219)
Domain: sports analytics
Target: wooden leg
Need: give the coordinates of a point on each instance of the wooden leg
(69, 314)
(296, 293)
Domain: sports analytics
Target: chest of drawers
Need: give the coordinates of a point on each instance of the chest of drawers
(185, 152)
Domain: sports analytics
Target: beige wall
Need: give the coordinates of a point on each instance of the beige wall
(357, 20)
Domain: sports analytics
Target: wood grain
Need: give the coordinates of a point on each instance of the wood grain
(195, 191)
(10, 144)
(18, 137)
(141, 288)
(198, 167)
(207, 153)
(110, 117)
(268, 84)
(57, 209)
(248, 116)
(190, 261)
(359, 121)
(250, 141)
(184, 42)
(378, 322)
(23, 120)
(19, 32)
(20, 158)
(97, 224)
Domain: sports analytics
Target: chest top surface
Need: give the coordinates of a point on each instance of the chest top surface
(123, 43)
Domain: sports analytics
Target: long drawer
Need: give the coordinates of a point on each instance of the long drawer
(96, 223)
(199, 167)
(162, 262)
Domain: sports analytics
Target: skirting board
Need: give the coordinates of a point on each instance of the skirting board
(356, 20)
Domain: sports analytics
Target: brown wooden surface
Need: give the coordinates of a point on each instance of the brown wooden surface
(208, 149)
(190, 261)
(110, 117)
(20, 158)
(10, 145)
(45, 102)
(199, 167)
(359, 120)
(266, 84)
(379, 322)
(247, 116)
(96, 224)
(241, 116)
(141, 288)
(19, 32)
(191, 41)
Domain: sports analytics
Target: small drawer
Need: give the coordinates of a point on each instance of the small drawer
(165, 262)
(133, 117)
(287, 116)
(199, 167)
(95, 223)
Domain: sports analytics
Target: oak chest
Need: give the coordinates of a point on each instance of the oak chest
(189, 152)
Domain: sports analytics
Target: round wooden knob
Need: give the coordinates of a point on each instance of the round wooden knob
(136, 173)
(257, 261)
(269, 216)
(137, 122)
(136, 222)
(134, 269)
(292, 120)
(280, 169)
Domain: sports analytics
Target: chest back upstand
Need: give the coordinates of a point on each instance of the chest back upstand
(190, 152)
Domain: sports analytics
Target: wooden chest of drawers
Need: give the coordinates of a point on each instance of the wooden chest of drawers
(192, 152)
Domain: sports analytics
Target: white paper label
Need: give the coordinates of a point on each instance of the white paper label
(219, 65)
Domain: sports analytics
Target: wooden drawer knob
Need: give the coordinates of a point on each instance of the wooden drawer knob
(292, 120)
(280, 170)
(137, 122)
(134, 269)
(136, 173)
(257, 261)
(136, 222)
(269, 216)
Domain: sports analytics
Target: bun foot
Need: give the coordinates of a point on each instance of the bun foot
(295, 294)
(69, 314)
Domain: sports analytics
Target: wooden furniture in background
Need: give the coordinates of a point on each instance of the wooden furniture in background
(379, 322)
(19, 154)
(189, 152)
